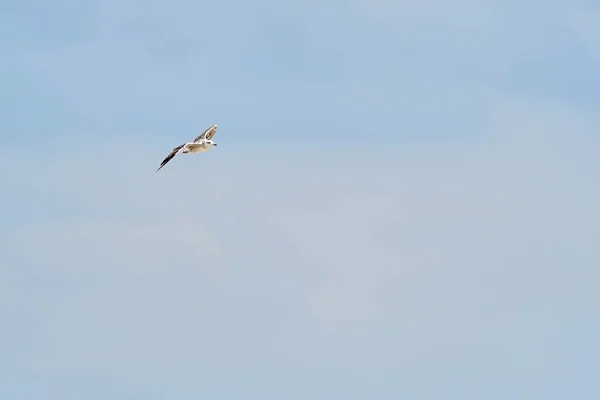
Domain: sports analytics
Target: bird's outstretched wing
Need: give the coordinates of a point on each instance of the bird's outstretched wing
(207, 134)
(170, 156)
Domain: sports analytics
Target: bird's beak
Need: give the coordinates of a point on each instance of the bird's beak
(215, 144)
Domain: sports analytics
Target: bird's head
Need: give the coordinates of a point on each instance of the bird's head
(211, 143)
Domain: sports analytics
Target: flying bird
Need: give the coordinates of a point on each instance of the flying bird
(201, 143)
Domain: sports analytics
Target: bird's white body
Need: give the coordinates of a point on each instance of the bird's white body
(195, 147)
(200, 144)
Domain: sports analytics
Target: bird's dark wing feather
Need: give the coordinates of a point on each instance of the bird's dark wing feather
(207, 134)
(170, 156)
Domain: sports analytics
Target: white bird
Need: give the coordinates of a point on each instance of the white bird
(201, 143)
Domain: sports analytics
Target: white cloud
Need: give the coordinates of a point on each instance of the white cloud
(511, 188)
(405, 239)
(124, 246)
(296, 268)
(348, 246)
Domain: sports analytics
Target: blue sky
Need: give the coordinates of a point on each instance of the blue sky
(403, 203)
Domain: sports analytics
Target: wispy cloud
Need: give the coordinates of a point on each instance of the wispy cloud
(354, 243)
(403, 202)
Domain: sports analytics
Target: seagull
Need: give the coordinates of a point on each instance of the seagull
(201, 143)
